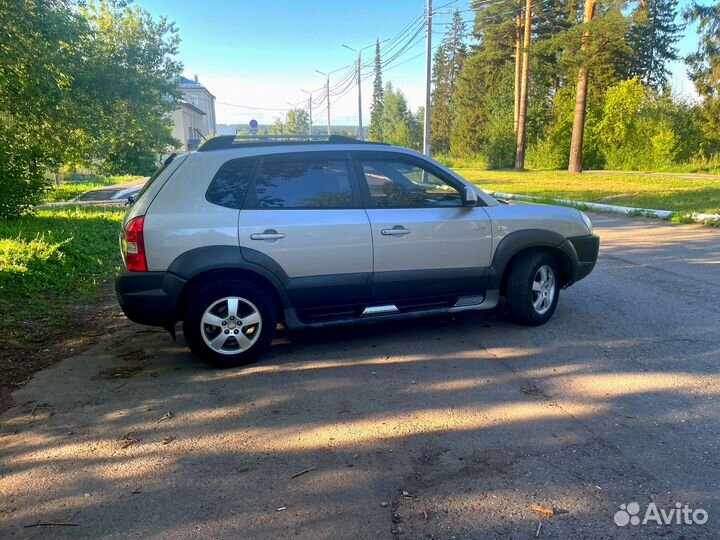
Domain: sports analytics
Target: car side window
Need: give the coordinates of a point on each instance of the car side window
(230, 184)
(397, 183)
(303, 182)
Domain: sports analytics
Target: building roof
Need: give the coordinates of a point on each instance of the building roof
(191, 107)
(190, 84)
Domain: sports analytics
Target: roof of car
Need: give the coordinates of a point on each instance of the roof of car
(227, 142)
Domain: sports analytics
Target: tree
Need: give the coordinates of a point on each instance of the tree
(448, 61)
(652, 38)
(399, 125)
(521, 94)
(375, 132)
(298, 121)
(37, 113)
(704, 68)
(128, 87)
(482, 85)
(576, 143)
(277, 128)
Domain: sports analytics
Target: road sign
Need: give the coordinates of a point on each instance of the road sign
(253, 127)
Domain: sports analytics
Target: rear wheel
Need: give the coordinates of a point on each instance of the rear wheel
(229, 323)
(532, 288)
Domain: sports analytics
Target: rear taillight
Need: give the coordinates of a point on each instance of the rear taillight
(134, 245)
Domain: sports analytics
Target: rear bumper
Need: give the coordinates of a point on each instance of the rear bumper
(149, 297)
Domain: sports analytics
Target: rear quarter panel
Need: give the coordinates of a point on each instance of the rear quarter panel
(180, 218)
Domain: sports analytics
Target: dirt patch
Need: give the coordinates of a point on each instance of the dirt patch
(136, 359)
(615, 198)
(81, 327)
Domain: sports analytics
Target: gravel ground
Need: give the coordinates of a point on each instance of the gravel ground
(442, 428)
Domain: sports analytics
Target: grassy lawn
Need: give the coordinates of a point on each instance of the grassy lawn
(52, 261)
(672, 193)
(69, 190)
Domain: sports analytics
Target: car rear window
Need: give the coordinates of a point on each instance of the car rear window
(302, 183)
(230, 184)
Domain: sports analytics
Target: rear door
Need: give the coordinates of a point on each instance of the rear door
(303, 219)
(427, 245)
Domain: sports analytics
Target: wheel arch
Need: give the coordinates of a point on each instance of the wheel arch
(519, 243)
(203, 266)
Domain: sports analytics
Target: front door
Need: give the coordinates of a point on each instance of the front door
(427, 245)
(302, 219)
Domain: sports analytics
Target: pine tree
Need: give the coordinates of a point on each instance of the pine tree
(448, 61)
(375, 130)
(652, 38)
(482, 83)
(704, 66)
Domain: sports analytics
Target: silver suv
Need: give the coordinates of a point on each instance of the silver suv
(239, 236)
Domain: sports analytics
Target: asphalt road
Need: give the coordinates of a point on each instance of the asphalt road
(442, 428)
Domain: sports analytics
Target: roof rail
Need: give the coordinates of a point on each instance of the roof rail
(225, 142)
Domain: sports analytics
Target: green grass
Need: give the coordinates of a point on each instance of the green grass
(677, 194)
(68, 190)
(53, 260)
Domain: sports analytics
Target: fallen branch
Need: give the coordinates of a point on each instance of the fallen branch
(52, 524)
(302, 472)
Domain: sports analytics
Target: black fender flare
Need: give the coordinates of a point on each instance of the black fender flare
(205, 259)
(517, 241)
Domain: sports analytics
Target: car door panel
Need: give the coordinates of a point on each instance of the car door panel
(297, 222)
(422, 251)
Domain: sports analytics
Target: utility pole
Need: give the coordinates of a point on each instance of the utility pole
(524, 80)
(361, 134)
(428, 77)
(518, 64)
(359, 83)
(576, 144)
(309, 107)
(327, 95)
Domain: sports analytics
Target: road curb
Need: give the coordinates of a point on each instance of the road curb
(615, 209)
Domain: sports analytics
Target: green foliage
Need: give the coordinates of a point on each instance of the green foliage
(53, 260)
(399, 126)
(447, 64)
(298, 121)
(375, 130)
(87, 84)
(652, 36)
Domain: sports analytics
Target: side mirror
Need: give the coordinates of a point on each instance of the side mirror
(470, 198)
(130, 199)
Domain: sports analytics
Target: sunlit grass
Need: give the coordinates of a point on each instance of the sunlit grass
(54, 259)
(673, 193)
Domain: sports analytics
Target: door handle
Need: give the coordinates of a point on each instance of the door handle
(397, 230)
(269, 234)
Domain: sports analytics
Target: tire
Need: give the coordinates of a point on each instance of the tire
(525, 288)
(247, 334)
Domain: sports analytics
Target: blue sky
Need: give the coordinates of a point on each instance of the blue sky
(261, 53)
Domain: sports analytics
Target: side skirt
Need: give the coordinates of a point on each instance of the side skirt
(475, 303)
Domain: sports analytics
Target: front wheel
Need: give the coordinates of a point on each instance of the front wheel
(533, 289)
(229, 323)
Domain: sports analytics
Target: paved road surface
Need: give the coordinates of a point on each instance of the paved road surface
(115, 192)
(617, 400)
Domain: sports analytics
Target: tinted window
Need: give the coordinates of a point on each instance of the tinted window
(303, 183)
(402, 184)
(230, 184)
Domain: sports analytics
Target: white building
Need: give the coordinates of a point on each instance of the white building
(189, 122)
(195, 116)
